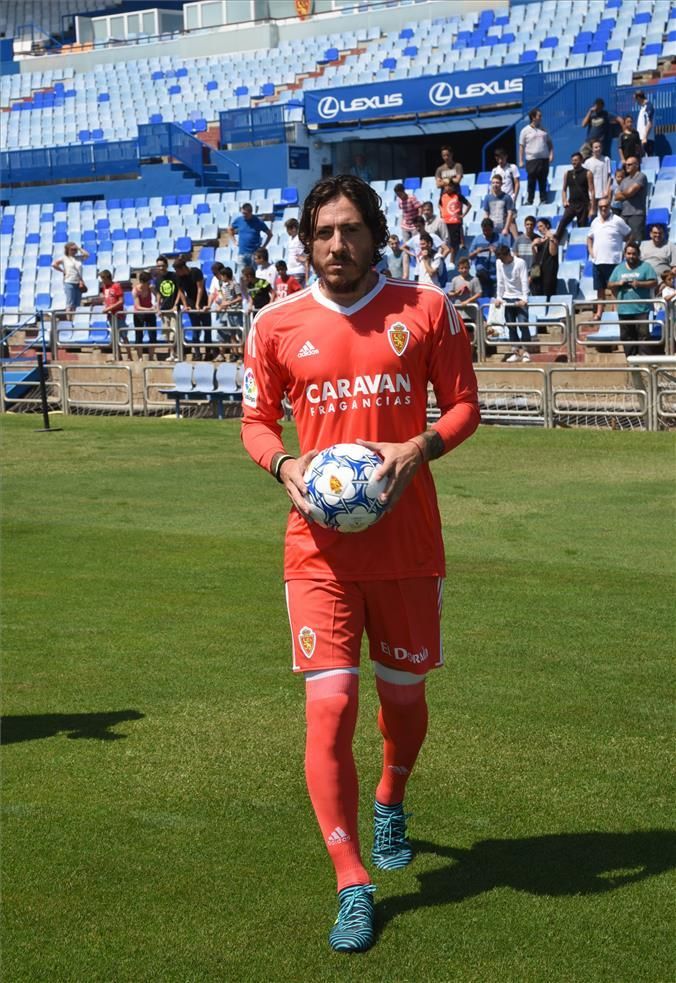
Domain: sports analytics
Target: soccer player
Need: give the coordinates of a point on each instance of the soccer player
(354, 355)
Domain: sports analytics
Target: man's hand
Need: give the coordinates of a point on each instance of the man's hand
(400, 463)
(291, 476)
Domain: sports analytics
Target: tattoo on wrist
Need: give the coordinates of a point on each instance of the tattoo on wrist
(434, 445)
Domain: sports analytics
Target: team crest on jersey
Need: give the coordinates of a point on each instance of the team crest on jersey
(249, 389)
(398, 336)
(308, 640)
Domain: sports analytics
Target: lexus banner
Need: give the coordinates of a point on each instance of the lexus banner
(460, 92)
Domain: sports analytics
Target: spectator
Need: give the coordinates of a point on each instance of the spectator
(360, 168)
(629, 143)
(146, 304)
(577, 196)
(111, 296)
(633, 193)
(483, 253)
(498, 206)
(605, 245)
(544, 272)
(511, 182)
(410, 209)
(598, 125)
(634, 282)
(70, 265)
(465, 290)
(412, 246)
(284, 283)
(666, 290)
(512, 291)
(429, 262)
(536, 150)
(225, 298)
(265, 270)
(396, 259)
(247, 230)
(453, 207)
(191, 281)
(296, 258)
(171, 297)
(255, 293)
(645, 124)
(657, 251)
(599, 167)
(448, 168)
(433, 223)
(523, 244)
(620, 175)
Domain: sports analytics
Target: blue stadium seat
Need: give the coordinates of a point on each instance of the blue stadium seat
(412, 183)
(660, 215)
(211, 86)
(44, 260)
(156, 118)
(183, 244)
(390, 63)
(43, 301)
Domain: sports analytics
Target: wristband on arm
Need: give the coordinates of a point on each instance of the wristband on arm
(277, 466)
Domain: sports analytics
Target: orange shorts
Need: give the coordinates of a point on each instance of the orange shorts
(401, 619)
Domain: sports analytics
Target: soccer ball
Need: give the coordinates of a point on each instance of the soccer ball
(341, 488)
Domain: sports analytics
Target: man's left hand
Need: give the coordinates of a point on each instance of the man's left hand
(400, 463)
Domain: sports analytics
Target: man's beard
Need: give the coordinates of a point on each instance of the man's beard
(348, 280)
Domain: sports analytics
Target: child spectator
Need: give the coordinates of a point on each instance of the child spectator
(667, 290)
(284, 284)
(410, 209)
(297, 260)
(145, 299)
(465, 290)
(225, 297)
(453, 207)
(428, 262)
(255, 293)
(265, 270)
(616, 206)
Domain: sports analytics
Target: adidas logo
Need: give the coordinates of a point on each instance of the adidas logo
(338, 836)
(398, 769)
(307, 349)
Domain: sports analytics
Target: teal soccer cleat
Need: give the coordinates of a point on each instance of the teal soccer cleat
(354, 927)
(391, 849)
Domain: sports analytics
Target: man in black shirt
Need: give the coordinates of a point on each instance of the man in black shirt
(629, 142)
(170, 296)
(597, 122)
(578, 196)
(191, 282)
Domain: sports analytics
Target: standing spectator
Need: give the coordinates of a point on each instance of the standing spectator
(448, 168)
(465, 290)
(523, 244)
(433, 223)
(247, 230)
(361, 169)
(599, 167)
(512, 291)
(453, 207)
(294, 253)
(544, 272)
(633, 282)
(536, 151)
(633, 193)
(397, 260)
(284, 283)
(498, 206)
(657, 251)
(255, 293)
(265, 270)
(412, 245)
(483, 253)
(111, 296)
(618, 178)
(429, 261)
(410, 209)
(577, 196)
(597, 122)
(511, 182)
(629, 143)
(191, 281)
(225, 298)
(171, 298)
(645, 124)
(605, 245)
(70, 264)
(145, 299)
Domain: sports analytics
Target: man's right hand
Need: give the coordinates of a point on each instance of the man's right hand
(291, 476)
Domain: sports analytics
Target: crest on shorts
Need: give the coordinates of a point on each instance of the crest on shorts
(398, 335)
(308, 640)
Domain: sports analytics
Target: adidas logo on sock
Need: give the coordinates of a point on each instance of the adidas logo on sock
(398, 769)
(307, 349)
(338, 836)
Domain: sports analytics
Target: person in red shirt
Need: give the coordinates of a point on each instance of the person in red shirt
(284, 283)
(354, 354)
(453, 206)
(111, 295)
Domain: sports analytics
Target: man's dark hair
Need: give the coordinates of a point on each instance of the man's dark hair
(660, 226)
(217, 268)
(162, 259)
(280, 264)
(246, 204)
(262, 251)
(599, 102)
(488, 223)
(639, 95)
(106, 273)
(532, 218)
(426, 237)
(360, 194)
(532, 113)
(634, 244)
(545, 222)
(144, 277)
(399, 187)
(502, 250)
(501, 151)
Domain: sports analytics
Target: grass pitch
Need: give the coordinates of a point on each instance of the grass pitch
(155, 820)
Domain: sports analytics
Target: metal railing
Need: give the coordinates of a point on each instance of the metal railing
(505, 397)
(555, 316)
(657, 327)
(597, 400)
(119, 392)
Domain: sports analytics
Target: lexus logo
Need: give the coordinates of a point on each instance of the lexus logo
(441, 94)
(328, 107)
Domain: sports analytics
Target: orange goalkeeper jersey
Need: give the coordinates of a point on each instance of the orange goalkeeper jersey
(361, 372)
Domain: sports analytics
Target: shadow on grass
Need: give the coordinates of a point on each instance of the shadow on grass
(558, 865)
(34, 727)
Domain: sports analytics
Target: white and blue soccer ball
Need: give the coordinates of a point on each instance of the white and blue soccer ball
(342, 489)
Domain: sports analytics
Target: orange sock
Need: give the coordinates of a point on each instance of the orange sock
(402, 720)
(332, 700)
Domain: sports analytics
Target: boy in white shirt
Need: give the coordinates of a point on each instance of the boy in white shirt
(600, 170)
(512, 291)
(296, 258)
